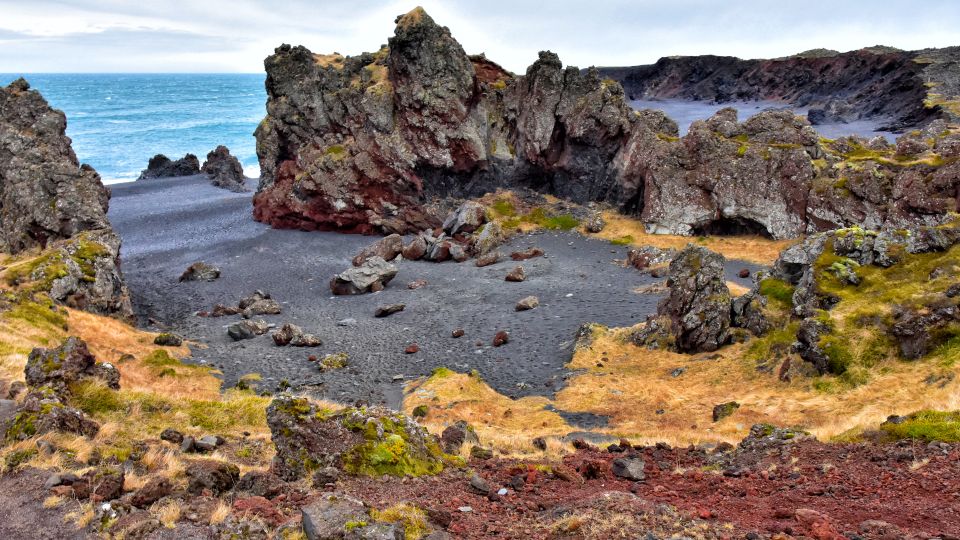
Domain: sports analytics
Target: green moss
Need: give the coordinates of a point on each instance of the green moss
(15, 459)
(667, 138)
(354, 524)
(778, 291)
(926, 426)
(742, 150)
(413, 519)
(623, 240)
(338, 360)
(499, 84)
(38, 314)
(775, 343)
(503, 208)
(386, 451)
(336, 152)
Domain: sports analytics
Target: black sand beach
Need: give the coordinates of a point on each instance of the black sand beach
(167, 224)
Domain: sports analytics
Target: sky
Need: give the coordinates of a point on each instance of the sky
(234, 36)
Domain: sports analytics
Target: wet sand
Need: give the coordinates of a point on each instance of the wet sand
(167, 224)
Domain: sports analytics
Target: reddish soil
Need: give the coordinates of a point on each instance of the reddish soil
(757, 491)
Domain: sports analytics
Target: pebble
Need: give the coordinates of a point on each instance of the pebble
(465, 509)
(347, 322)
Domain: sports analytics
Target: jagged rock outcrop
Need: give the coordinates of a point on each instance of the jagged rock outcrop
(883, 83)
(830, 266)
(160, 166)
(363, 144)
(45, 194)
(48, 200)
(224, 170)
(49, 375)
(371, 441)
(359, 144)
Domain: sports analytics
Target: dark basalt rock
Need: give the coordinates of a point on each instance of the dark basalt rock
(361, 144)
(224, 170)
(71, 362)
(697, 312)
(369, 441)
(48, 200)
(160, 166)
(214, 476)
(200, 271)
(45, 193)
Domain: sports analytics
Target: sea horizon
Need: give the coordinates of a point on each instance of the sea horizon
(119, 120)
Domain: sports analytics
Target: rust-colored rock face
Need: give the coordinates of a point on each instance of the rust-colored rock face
(366, 144)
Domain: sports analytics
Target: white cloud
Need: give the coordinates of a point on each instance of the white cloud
(235, 35)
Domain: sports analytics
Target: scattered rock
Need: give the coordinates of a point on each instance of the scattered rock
(526, 254)
(465, 219)
(527, 303)
(724, 410)
(70, 362)
(156, 488)
(455, 436)
(418, 284)
(743, 273)
(371, 276)
(200, 271)
(171, 435)
(595, 223)
(347, 322)
(247, 329)
(413, 348)
(332, 515)
(457, 333)
(387, 248)
(488, 259)
(325, 476)
(389, 309)
(261, 484)
(501, 338)
(629, 468)
(259, 303)
(167, 339)
(416, 249)
(291, 334)
(214, 476)
(479, 452)
(478, 484)
(516, 275)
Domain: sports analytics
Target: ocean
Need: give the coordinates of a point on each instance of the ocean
(119, 121)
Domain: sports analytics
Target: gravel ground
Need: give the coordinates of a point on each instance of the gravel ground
(167, 224)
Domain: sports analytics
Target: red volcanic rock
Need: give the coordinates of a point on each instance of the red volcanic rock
(501, 338)
(457, 333)
(413, 348)
(526, 254)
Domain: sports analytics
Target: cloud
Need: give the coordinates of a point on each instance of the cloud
(235, 35)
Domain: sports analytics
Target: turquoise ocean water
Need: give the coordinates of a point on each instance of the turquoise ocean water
(119, 121)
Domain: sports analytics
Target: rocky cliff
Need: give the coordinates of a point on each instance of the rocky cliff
(49, 202)
(903, 88)
(369, 143)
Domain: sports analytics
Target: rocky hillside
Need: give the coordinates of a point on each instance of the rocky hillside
(53, 213)
(905, 89)
(372, 143)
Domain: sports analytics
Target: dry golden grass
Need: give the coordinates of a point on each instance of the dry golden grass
(167, 511)
(635, 383)
(747, 248)
(327, 60)
(501, 422)
(220, 513)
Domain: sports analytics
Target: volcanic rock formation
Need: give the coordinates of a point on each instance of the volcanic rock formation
(366, 143)
(904, 88)
(224, 170)
(160, 166)
(48, 200)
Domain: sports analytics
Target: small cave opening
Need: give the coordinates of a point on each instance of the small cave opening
(737, 226)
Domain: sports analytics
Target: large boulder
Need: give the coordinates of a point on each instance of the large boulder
(160, 166)
(386, 248)
(467, 218)
(371, 441)
(69, 363)
(695, 316)
(371, 276)
(224, 170)
(43, 411)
